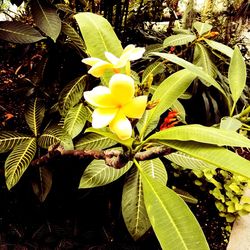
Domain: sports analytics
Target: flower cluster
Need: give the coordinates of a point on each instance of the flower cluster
(117, 102)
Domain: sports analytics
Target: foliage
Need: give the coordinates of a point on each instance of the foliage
(146, 200)
(228, 191)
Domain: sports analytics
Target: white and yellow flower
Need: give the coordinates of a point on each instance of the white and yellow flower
(114, 104)
(130, 53)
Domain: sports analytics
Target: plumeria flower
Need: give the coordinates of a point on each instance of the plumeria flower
(114, 104)
(130, 53)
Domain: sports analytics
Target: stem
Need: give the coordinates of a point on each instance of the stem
(244, 112)
(232, 110)
(137, 164)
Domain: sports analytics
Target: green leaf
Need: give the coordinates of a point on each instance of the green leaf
(156, 169)
(46, 18)
(220, 47)
(75, 120)
(98, 35)
(133, 208)
(158, 47)
(186, 161)
(202, 59)
(180, 39)
(53, 135)
(185, 196)
(18, 32)
(230, 123)
(98, 174)
(171, 218)
(152, 70)
(105, 132)
(65, 8)
(94, 141)
(214, 155)
(71, 94)
(9, 139)
(178, 107)
(202, 28)
(193, 68)
(237, 74)
(181, 31)
(73, 36)
(43, 186)
(203, 134)
(34, 115)
(18, 161)
(167, 93)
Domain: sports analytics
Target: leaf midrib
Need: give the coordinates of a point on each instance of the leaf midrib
(19, 33)
(71, 90)
(20, 159)
(75, 119)
(168, 214)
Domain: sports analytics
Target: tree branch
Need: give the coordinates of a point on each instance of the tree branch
(113, 158)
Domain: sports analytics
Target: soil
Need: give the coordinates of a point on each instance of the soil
(71, 218)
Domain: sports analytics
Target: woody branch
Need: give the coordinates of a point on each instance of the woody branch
(113, 158)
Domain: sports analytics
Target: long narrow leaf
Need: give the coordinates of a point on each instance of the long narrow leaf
(9, 139)
(75, 120)
(152, 70)
(220, 47)
(98, 35)
(171, 218)
(237, 74)
(73, 36)
(18, 32)
(202, 59)
(133, 208)
(71, 94)
(179, 39)
(214, 155)
(166, 94)
(99, 174)
(202, 28)
(193, 68)
(46, 18)
(53, 135)
(203, 134)
(94, 141)
(18, 161)
(186, 161)
(156, 169)
(34, 115)
(43, 185)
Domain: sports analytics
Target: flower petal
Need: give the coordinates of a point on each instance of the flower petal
(99, 68)
(101, 117)
(136, 54)
(121, 126)
(132, 53)
(128, 48)
(127, 52)
(122, 88)
(112, 58)
(136, 107)
(100, 97)
(91, 61)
